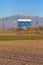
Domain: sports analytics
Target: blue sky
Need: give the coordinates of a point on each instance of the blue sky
(12, 7)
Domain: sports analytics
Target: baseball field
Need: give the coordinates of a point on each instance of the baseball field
(21, 50)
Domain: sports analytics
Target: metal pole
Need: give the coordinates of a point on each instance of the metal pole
(3, 22)
(36, 26)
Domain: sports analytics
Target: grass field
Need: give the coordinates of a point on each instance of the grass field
(30, 37)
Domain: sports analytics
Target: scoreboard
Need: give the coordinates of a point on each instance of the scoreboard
(24, 22)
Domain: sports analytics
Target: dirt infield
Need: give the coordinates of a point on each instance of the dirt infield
(38, 43)
(21, 52)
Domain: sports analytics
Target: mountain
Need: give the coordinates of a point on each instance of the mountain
(11, 21)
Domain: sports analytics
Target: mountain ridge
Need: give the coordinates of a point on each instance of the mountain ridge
(11, 21)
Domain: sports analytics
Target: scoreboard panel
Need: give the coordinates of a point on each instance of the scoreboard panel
(24, 23)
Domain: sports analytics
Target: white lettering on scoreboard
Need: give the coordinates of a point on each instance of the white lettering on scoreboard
(24, 20)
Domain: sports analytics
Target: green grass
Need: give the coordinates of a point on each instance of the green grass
(30, 37)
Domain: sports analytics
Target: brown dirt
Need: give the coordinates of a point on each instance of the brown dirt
(38, 43)
(23, 42)
(18, 52)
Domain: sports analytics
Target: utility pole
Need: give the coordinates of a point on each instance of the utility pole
(3, 25)
(3, 22)
(36, 26)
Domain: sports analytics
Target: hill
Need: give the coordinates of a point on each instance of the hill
(11, 21)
